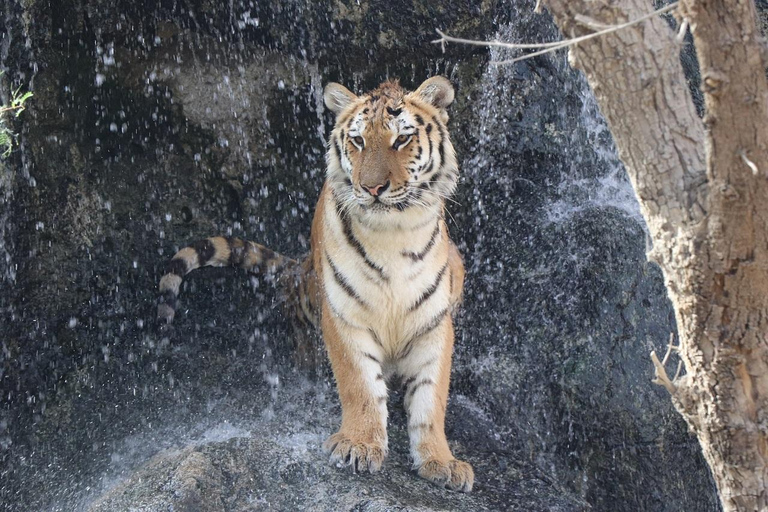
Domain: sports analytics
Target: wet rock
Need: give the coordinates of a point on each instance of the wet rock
(153, 126)
(263, 470)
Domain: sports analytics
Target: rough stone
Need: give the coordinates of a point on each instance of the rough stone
(144, 135)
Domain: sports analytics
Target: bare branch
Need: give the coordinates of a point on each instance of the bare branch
(750, 163)
(557, 45)
(661, 377)
(683, 30)
(679, 369)
(10, 108)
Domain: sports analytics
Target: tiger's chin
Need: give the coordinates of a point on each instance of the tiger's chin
(384, 206)
(377, 206)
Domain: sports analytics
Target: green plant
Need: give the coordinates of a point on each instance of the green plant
(16, 107)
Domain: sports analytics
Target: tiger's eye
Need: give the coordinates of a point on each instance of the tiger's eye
(402, 138)
(358, 140)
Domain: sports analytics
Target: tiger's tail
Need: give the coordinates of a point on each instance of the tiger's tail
(217, 251)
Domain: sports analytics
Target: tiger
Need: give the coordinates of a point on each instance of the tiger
(382, 279)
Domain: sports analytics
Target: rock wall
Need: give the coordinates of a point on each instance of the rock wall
(156, 125)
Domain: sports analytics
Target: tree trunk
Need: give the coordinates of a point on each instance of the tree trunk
(703, 190)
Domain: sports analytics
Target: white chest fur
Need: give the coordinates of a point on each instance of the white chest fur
(386, 279)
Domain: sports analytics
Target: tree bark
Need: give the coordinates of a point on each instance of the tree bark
(703, 190)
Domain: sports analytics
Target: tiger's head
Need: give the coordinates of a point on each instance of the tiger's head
(389, 153)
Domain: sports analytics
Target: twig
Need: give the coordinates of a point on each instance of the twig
(548, 47)
(3, 110)
(750, 163)
(683, 30)
(677, 372)
(661, 377)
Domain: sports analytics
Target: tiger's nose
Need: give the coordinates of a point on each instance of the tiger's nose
(376, 190)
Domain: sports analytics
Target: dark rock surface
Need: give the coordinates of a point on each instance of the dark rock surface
(276, 464)
(157, 123)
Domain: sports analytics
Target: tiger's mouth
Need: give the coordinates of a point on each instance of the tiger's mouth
(399, 202)
(377, 203)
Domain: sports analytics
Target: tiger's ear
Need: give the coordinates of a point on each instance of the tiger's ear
(337, 97)
(437, 91)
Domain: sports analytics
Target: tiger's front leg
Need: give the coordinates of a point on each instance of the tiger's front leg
(356, 358)
(426, 369)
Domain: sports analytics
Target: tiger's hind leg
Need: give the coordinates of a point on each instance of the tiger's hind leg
(426, 370)
(356, 359)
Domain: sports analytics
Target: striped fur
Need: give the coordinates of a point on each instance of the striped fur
(389, 274)
(382, 277)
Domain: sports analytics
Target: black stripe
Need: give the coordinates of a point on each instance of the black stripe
(205, 251)
(419, 119)
(372, 357)
(176, 266)
(442, 139)
(423, 382)
(340, 316)
(418, 256)
(342, 282)
(375, 337)
(394, 111)
(235, 251)
(337, 148)
(428, 168)
(431, 326)
(430, 362)
(345, 148)
(169, 298)
(266, 253)
(429, 129)
(418, 194)
(429, 291)
(355, 243)
(341, 120)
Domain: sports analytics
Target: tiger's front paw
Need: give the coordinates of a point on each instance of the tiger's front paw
(455, 474)
(362, 456)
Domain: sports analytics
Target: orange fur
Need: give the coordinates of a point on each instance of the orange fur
(382, 277)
